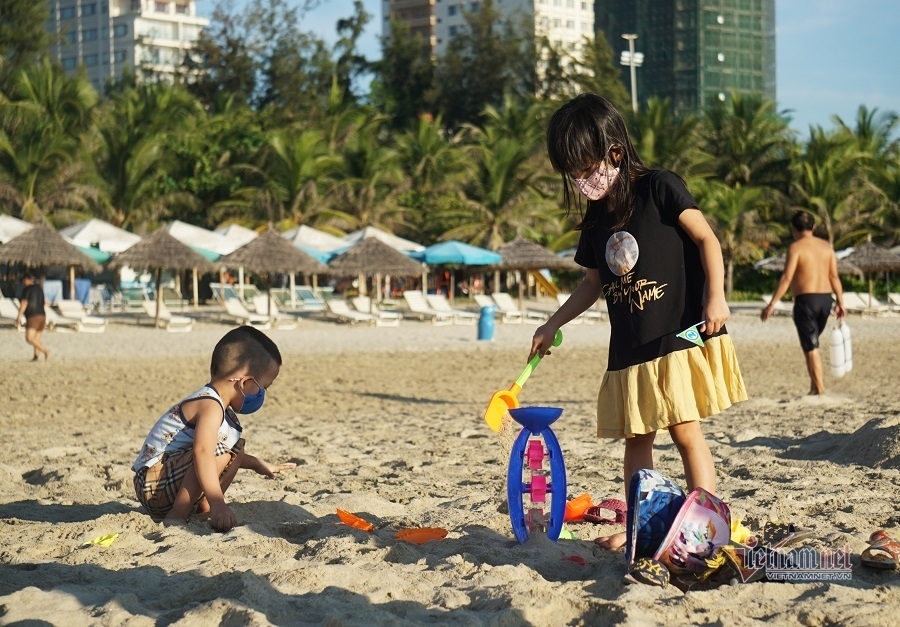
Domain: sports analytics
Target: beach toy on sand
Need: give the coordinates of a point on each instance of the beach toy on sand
(354, 521)
(504, 400)
(421, 535)
(105, 540)
(576, 508)
(536, 474)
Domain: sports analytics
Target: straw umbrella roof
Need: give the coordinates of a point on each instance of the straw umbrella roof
(776, 264)
(870, 257)
(521, 254)
(270, 253)
(42, 246)
(372, 256)
(161, 251)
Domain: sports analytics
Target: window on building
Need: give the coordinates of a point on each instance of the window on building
(89, 34)
(584, 6)
(182, 9)
(557, 3)
(475, 6)
(72, 36)
(570, 4)
(88, 9)
(69, 63)
(119, 56)
(570, 24)
(453, 31)
(557, 23)
(451, 10)
(90, 60)
(120, 30)
(161, 7)
(67, 13)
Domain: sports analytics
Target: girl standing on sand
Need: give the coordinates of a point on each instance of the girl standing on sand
(649, 251)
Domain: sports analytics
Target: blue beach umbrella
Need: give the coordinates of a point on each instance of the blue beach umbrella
(457, 253)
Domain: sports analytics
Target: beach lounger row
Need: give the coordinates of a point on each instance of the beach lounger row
(73, 316)
(506, 310)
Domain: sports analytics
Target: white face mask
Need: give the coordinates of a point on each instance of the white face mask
(598, 184)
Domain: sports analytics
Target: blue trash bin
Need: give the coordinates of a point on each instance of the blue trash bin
(486, 324)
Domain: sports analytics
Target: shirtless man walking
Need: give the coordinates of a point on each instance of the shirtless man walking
(810, 272)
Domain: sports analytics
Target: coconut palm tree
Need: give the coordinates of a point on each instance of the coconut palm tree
(41, 128)
(737, 217)
(667, 142)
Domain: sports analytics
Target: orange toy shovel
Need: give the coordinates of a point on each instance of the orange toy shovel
(504, 400)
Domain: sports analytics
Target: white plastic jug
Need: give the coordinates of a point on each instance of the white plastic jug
(838, 363)
(848, 349)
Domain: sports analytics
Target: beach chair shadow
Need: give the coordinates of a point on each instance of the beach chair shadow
(167, 320)
(439, 302)
(420, 308)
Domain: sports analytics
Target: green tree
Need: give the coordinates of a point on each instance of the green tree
(667, 142)
(597, 72)
(23, 37)
(403, 78)
(41, 160)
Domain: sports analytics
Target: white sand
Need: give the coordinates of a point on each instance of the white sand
(386, 423)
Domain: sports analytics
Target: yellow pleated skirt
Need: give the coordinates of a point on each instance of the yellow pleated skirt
(683, 386)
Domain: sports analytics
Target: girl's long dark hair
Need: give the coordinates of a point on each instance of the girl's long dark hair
(580, 135)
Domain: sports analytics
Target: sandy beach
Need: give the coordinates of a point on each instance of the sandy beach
(386, 423)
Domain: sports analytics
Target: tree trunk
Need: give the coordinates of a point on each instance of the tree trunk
(729, 280)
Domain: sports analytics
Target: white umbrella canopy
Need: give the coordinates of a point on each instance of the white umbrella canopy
(309, 237)
(395, 242)
(237, 233)
(10, 227)
(100, 234)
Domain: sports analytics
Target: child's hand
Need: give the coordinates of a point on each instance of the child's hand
(269, 470)
(221, 518)
(715, 313)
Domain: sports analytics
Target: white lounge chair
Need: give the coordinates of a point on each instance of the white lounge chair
(167, 320)
(506, 304)
(74, 309)
(224, 291)
(591, 315)
(280, 319)
(339, 310)
(894, 301)
(782, 308)
(854, 302)
(419, 308)
(439, 302)
(511, 317)
(385, 318)
(236, 309)
(56, 322)
(9, 310)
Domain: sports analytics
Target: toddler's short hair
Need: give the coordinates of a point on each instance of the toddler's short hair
(803, 221)
(243, 346)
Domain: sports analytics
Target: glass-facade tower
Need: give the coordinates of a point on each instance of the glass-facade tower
(695, 51)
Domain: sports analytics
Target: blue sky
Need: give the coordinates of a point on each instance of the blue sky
(832, 55)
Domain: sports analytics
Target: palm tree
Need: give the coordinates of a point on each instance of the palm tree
(749, 141)
(41, 128)
(131, 155)
(669, 143)
(505, 195)
(291, 169)
(736, 213)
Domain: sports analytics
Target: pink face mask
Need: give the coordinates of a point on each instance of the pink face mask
(598, 184)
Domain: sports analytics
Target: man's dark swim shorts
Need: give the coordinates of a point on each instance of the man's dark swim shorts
(811, 313)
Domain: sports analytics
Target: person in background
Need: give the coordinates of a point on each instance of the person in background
(31, 307)
(810, 272)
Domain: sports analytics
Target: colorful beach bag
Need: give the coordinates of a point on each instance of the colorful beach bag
(653, 504)
(701, 529)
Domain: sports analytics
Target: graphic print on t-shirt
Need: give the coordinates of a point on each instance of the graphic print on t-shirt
(621, 252)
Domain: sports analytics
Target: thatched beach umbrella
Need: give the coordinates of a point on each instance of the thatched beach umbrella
(160, 251)
(776, 264)
(372, 256)
(871, 259)
(520, 254)
(40, 247)
(269, 254)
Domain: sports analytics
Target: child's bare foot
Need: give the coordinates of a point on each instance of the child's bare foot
(46, 355)
(174, 522)
(611, 543)
(35, 358)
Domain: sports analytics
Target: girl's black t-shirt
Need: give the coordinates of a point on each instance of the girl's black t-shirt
(652, 274)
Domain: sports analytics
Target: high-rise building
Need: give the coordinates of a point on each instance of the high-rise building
(564, 22)
(105, 36)
(695, 51)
